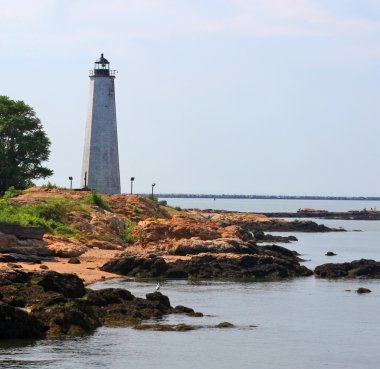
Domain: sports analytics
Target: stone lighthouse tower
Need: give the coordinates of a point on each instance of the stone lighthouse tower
(100, 169)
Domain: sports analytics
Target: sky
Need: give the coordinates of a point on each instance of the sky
(213, 96)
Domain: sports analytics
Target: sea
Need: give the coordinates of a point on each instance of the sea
(290, 324)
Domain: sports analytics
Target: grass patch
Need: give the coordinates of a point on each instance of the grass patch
(154, 213)
(170, 209)
(50, 215)
(95, 199)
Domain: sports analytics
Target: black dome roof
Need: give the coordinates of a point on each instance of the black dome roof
(102, 60)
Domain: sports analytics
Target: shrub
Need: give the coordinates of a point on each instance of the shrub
(136, 210)
(178, 208)
(128, 231)
(152, 197)
(11, 192)
(96, 199)
(49, 185)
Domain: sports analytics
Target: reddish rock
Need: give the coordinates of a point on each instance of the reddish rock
(64, 247)
(176, 228)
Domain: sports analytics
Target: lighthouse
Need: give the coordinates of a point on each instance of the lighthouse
(100, 169)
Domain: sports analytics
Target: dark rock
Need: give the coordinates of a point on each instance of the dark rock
(17, 301)
(55, 300)
(16, 276)
(164, 327)
(363, 290)
(292, 226)
(69, 285)
(183, 309)
(279, 250)
(44, 267)
(281, 239)
(137, 266)
(73, 261)
(16, 323)
(330, 253)
(60, 305)
(225, 325)
(363, 268)
(259, 235)
(73, 317)
(20, 258)
(108, 296)
(159, 297)
(272, 263)
(22, 232)
(14, 266)
(195, 314)
(158, 267)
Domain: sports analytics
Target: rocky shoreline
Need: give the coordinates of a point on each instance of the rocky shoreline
(43, 274)
(49, 304)
(323, 214)
(269, 264)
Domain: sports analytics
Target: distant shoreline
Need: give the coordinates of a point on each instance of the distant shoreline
(266, 197)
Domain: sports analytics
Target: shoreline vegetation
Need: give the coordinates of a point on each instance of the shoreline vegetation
(57, 240)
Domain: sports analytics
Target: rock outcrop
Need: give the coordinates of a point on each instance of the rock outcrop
(178, 227)
(362, 268)
(264, 264)
(49, 304)
(259, 222)
(186, 244)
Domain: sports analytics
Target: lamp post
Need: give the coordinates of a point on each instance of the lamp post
(71, 182)
(132, 179)
(153, 184)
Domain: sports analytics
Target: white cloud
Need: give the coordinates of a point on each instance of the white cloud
(270, 18)
(70, 23)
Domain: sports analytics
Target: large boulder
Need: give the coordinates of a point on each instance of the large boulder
(69, 285)
(16, 323)
(362, 268)
(137, 266)
(160, 298)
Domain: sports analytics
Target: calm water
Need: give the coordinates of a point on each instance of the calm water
(299, 323)
(271, 205)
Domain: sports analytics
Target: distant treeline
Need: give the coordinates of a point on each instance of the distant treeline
(264, 197)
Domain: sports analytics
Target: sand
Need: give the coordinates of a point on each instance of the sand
(88, 269)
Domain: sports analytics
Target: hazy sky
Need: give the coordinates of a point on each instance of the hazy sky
(213, 96)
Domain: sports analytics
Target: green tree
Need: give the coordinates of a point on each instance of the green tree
(23, 145)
